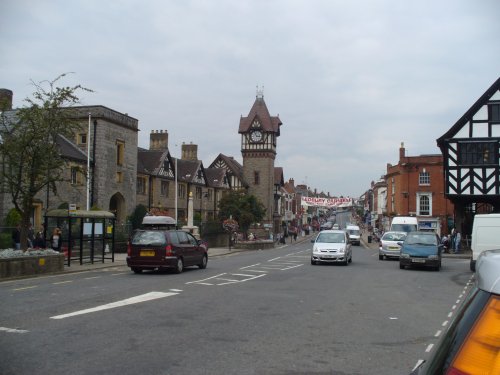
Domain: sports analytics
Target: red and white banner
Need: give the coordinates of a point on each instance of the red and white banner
(326, 202)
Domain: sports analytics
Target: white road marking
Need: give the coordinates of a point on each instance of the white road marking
(93, 277)
(175, 290)
(445, 323)
(253, 265)
(26, 287)
(208, 278)
(429, 348)
(450, 314)
(63, 282)
(454, 307)
(13, 330)
(121, 273)
(420, 361)
(129, 301)
(438, 333)
(393, 318)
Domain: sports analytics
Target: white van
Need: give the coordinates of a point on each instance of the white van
(485, 235)
(354, 234)
(404, 224)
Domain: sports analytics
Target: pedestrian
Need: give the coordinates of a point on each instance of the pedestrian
(16, 237)
(295, 230)
(31, 235)
(39, 241)
(56, 239)
(458, 238)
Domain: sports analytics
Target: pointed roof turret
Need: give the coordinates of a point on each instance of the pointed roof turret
(260, 112)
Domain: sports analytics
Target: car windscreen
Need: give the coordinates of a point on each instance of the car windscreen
(421, 239)
(148, 238)
(394, 237)
(353, 232)
(403, 227)
(331, 238)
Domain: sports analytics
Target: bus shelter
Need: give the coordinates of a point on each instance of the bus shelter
(87, 236)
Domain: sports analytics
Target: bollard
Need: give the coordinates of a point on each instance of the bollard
(369, 239)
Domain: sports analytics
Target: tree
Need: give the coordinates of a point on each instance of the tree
(29, 151)
(245, 209)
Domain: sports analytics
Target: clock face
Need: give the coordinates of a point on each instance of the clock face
(256, 136)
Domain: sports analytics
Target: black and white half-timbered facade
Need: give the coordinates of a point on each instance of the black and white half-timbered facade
(471, 155)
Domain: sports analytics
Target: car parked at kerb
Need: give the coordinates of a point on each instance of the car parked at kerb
(151, 249)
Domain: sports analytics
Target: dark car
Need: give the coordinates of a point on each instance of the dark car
(165, 249)
(472, 342)
(421, 249)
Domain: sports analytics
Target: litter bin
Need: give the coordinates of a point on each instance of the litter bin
(369, 239)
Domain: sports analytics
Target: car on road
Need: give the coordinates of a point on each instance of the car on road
(326, 225)
(471, 343)
(331, 246)
(151, 249)
(388, 245)
(421, 249)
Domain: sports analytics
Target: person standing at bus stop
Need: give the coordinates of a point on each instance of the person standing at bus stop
(56, 239)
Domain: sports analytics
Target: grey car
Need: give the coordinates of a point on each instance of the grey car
(331, 246)
(389, 247)
(472, 341)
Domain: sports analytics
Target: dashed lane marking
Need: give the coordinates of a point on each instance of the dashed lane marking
(129, 301)
(26, 288)
(13, 330)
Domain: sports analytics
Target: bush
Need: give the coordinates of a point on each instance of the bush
(5, 241)
(13, 218)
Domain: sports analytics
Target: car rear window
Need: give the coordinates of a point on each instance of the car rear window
(149, 238)
(394, 237)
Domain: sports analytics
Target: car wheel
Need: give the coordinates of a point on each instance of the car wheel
(204, 262)
(313, 262)
(401, 267)
(380, 257)
(350, 259)
(180, 265)
(346, 261)
(136, 270)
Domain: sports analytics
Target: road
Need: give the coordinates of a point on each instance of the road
(255, 312)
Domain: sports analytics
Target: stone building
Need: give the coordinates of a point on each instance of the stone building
(112, 142)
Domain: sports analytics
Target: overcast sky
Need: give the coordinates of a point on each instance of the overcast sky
(350, 80)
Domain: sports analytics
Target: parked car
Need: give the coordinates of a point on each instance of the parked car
(421, 249)
(472, 341)
(331, 246)
(152, 249)
(388, 245)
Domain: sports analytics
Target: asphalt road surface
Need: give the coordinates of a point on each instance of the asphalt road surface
(255, 312)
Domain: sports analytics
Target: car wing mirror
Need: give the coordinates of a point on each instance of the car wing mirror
(312, 241)
(400, 243)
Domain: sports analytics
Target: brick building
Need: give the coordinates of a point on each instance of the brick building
(415, 186)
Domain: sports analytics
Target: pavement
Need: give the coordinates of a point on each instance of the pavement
(120, 259)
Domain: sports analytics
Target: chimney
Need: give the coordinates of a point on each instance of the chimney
(189, 152)
(402, 151)
(158, 141)
(6, 99)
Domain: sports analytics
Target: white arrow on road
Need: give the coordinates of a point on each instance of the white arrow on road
(129, 301)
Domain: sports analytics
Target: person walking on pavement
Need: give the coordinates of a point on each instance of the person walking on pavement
(458, 238)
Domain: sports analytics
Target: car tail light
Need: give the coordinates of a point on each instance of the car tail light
(479, 352)
(168, 250)
(129, 248)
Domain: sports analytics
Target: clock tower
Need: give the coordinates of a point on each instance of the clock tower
(259, 131)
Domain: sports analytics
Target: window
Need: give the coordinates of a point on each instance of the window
(82, 138)
(256, 178)
(424, 178)
(75, 176)
(209, 194)
(424, 204)
(164, 188)
(120, 151)
(198, 192)
(495, 112)
(476, 153)
(182, 191)
(141, 185)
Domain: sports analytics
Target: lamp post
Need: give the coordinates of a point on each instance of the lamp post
(88, 164)
(176, 191)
